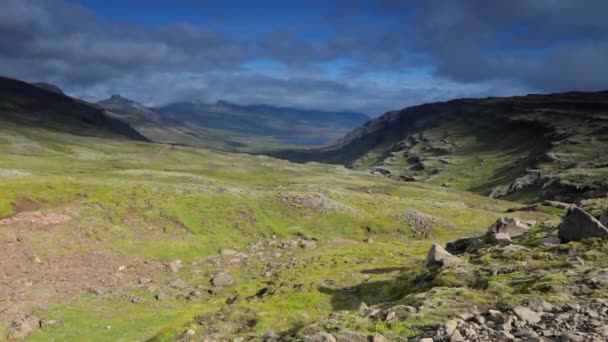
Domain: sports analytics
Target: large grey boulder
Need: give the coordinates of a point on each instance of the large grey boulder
(222, 279)
(578, 225)
(438, 256)
(511, 226)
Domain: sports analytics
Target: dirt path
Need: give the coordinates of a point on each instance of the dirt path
(161, 153)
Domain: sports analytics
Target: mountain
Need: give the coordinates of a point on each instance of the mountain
(232, 127)
(524, 147)
(286, 125)
(30, 105)
(49, 87)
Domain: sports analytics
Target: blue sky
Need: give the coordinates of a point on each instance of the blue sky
(368, 56)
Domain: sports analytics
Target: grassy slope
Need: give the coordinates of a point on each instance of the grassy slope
(480, 145)
(157, 202)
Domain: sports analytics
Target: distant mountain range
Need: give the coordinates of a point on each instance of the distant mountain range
(234, 127)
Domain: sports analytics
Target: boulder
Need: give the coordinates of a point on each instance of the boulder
(22, 328)
(320, 337)
(527, 315)
(440, 257)
(511, 226)
(578, 225)
(222, 279)
(500, 238)
(549, 241)
(460, 246)
(308, 244)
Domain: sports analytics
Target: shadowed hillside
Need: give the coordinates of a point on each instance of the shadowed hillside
(496, 146)
(32, 105)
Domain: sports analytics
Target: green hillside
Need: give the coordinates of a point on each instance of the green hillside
(527, 147)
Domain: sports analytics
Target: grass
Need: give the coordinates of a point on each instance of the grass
(190, 202)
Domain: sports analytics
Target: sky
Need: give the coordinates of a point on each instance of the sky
(353, 55)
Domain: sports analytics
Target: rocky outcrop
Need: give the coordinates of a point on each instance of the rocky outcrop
(438, 256)
(573, 322)
(512, 227)
(579, 225)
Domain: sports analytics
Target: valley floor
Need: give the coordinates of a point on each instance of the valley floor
(108, 240)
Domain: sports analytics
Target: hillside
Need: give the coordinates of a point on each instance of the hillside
(104, 238)
(524, 147)
(25, 104)
(286, 125)
(230, 127)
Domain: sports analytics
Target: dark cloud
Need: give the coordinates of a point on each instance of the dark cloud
(465, 47)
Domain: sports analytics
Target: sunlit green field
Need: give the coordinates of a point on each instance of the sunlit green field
(150, 204)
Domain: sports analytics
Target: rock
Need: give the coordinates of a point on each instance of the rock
(460, 246)
(308, 244)
(190, 332)
(570, 337)
(500, 238)
(420, 223)
(222, 279)
(48, 323)
(175, 265)
(510, 226)
(228, 252)
(576, 261)
(450, 326)
(160, 296)
(320, 337)
(350, 336)
(178, 284)
(22, 328)
(527, 315)
(557, 204)
(457, 336)
(549, 241)
(137, 300)
(271, 336)
(144, 280)
(578, 225)
(363, 310)
(380, 170)
(379, 338)
(440, 257)
(368, 240)
(426, 339)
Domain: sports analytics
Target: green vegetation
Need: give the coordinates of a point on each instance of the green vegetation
(158, 203)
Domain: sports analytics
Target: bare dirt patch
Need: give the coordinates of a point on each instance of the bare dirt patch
(35, 218)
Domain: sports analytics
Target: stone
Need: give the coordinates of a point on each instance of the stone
(144, 280)
(576, 261)
(363, 310)
(527, 315)
(579, 225)
(438, 256)
(178, 284)
(227, 252)
(175, 265)
(450, 326)
(379, 338)
(137, 300)
(570, 337)
(222, 279)
(160, 296)
(308, 244)
(23, 327)
(190, 332)
(557, 204)
(426, 339)
(320, 337)
(460, 246)
(457, 336)
(511, 226)
(500, 238)
(549, 241)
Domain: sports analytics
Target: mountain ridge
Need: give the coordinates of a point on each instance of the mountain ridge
(23, 103)
(520, 143)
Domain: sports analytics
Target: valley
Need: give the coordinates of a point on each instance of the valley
(106, 235)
